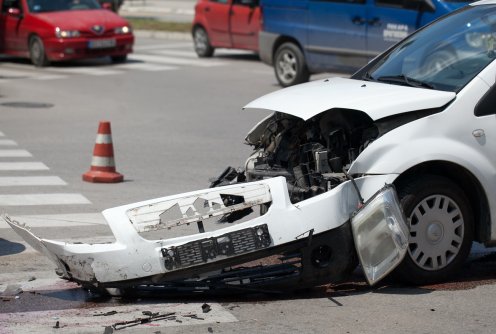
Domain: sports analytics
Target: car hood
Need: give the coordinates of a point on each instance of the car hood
(378, 100)
(82, 19)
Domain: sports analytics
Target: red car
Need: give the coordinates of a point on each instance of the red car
(232, 24)
(55, 30)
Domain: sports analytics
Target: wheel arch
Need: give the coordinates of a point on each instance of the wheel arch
(469, 184)
(284, 39)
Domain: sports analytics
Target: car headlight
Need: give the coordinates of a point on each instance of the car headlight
(122, 30)
(66, 33)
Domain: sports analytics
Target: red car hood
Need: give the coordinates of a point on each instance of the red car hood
(82, 19)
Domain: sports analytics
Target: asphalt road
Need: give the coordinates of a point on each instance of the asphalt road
(176, 121)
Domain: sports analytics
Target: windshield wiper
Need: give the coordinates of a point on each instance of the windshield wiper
(404, 80)
(368, 77)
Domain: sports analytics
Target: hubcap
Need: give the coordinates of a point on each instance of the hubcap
(287, 67)
(201, 40)
(436, 232)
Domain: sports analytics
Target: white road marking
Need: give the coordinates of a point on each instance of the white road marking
(85, 320)
(177, 53)
(13, 181)
(23, 166)
(87, 71)
(14, 154)
(42, 199)
(50, 77)
(147, 67)
(159, 47)
(7, 142)
(175, 61)
(59, 220)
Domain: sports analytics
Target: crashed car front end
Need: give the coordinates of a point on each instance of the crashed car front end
(133, 260)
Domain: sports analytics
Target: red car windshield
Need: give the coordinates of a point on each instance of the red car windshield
(43, 6)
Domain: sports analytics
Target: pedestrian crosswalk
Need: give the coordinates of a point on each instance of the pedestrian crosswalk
(12, 160)
(148, 58)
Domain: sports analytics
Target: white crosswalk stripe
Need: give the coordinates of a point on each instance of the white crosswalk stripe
(14, 154)
(22, 166)
(23, 180)
(12, 181)
(175, 61)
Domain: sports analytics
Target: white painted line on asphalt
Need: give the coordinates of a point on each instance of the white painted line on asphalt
(87, 71)
(84, 320)
(176, 53)
(23, 166)
(14, 154)
(7, 142)
(14, 181)
(160, 47)
(51, 77)
(147, 67)
(42, 199)
(176, 61)
(59, 220)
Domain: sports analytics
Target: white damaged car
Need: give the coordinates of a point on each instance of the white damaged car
(394, 167)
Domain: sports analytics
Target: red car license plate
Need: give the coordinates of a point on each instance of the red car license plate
(101, 43)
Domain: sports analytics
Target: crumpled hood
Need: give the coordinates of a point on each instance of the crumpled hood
(378, 100)
(82, 20)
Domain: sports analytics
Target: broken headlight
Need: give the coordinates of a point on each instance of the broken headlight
(380, 232)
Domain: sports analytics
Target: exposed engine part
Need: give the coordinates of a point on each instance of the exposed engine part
(310, 154)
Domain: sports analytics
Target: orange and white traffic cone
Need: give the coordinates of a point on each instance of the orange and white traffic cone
(103, 165)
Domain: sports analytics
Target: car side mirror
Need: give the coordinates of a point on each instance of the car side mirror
(16, 12)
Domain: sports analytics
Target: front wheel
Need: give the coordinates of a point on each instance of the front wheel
(289, 65)
(201, 42)
(37, 52)
(441, 229)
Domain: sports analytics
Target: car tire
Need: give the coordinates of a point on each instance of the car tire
(37, 52)
(202, 45)
(441, 229)
(289, 65)
(118, 59)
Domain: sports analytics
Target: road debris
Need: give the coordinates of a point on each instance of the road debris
(106, 314)
(206, 308)
(140, 321)
(57, 325)
(12, 291)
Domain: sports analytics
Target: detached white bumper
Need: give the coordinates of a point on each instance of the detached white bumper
(379, 231)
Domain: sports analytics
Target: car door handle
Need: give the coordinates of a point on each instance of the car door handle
(375, 22)
(358, 20)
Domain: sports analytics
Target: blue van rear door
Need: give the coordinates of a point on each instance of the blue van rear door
(335, 27)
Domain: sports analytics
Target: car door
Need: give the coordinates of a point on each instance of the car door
(389, 21)
(216, 13)
(10, 27)
(335, 27)
(245, 24)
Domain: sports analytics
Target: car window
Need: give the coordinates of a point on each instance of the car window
(445, 55)
(39, 6)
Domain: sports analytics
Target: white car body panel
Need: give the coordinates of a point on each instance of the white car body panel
(378, 100)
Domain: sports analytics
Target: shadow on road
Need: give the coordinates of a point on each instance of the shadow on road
(9, 248)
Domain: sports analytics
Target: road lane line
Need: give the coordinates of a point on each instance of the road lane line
(147, 67)
(87, 71)
(176, 61)
(42, 199)
(14, 154)
(51, 77)
(6, 166)
(7, 142)
(14, 181)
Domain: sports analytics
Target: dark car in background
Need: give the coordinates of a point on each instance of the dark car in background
(57, 30)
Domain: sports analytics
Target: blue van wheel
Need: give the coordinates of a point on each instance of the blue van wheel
(289, 65)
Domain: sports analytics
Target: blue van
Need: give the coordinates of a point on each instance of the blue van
(301, 37)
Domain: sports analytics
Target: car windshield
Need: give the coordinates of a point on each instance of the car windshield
(445, 55)
(41, 6)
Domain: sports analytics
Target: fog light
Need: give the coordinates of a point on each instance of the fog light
(381, 234)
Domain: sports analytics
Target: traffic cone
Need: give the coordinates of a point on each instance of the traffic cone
(103, 165)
